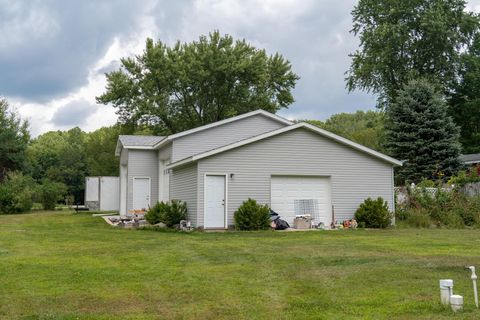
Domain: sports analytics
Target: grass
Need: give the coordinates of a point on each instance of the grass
(59, 265)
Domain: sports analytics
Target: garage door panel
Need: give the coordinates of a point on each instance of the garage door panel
(286, 189)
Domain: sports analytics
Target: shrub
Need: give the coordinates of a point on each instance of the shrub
(426, 184)
(49, 193)
(170, 213)
(419, 218)
(16, 193)
(402, 214)
(446, 207)
(176, 212)
(374, 213)
(252, 216)
(154, 214)
(464, 177)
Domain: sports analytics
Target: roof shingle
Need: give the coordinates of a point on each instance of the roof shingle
(147, 141)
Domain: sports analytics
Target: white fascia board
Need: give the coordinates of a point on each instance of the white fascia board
(472, 162)
(282, 130)
(118, 148)
(139, 147)
(162, 142)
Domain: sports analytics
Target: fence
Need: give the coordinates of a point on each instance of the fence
(469, 189)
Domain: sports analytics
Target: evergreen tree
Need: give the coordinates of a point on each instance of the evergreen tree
(420, 132)
(14, 137)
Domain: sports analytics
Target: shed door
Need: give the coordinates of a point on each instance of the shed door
(292, 195)
(141, 193)
(214, 201)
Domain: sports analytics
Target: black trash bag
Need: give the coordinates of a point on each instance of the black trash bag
(281, 224)
(273, 215)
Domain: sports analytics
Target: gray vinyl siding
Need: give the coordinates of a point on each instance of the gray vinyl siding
(355, 175)
(142, 163)
(212, 138)
(165, 152)
(183, 186)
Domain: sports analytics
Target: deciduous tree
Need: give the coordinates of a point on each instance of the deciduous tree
(366, 128)
(192, 84)
(402, 40)
(465, 101)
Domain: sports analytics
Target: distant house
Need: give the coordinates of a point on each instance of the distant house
(471, 159)
(292, 167)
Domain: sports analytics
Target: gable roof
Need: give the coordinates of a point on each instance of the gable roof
(470, 158)
(305, 125)
(222, 122)
(136, 142)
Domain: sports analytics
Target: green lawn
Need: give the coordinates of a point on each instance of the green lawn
(67, 266)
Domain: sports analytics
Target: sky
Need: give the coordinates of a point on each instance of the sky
(54, 54)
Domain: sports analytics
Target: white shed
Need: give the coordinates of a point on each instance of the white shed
(102, 193)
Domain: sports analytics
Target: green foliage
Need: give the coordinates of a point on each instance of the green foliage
(100, 151)
(465, 101)
(49, 193)
(426, 183)
(156, 213)
(192, 84)
(418, 218)
(374, 213)
(170, 213)
(16, 193)
(420, 132)
(60, 156)
(402, 40)
(252, 216)
(365, 128)
(14, 137)
(442, 208)
(464, 177)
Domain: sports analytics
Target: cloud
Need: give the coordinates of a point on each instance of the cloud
(53, 54)
(76, 113)
(48, 47)
(313, 35)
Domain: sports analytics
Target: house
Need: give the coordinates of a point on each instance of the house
(471, 160)
(293, 167)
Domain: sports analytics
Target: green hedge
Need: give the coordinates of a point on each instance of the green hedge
(169, 213)
(373, 213)
(252, 216)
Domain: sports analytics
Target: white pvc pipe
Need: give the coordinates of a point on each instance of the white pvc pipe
(474, 281)
(456, 302)
(446, 290)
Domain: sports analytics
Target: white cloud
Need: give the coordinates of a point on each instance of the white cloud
(313, 35)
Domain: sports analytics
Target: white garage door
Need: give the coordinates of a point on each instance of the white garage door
(291, 195)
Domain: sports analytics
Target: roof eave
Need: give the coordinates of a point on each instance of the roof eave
(118, 148)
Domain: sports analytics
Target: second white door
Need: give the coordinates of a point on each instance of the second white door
(215, 201)
(141, 193)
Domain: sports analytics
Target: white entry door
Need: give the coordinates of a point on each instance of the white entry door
(215, 201)
(288, 193)
(141, 193)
